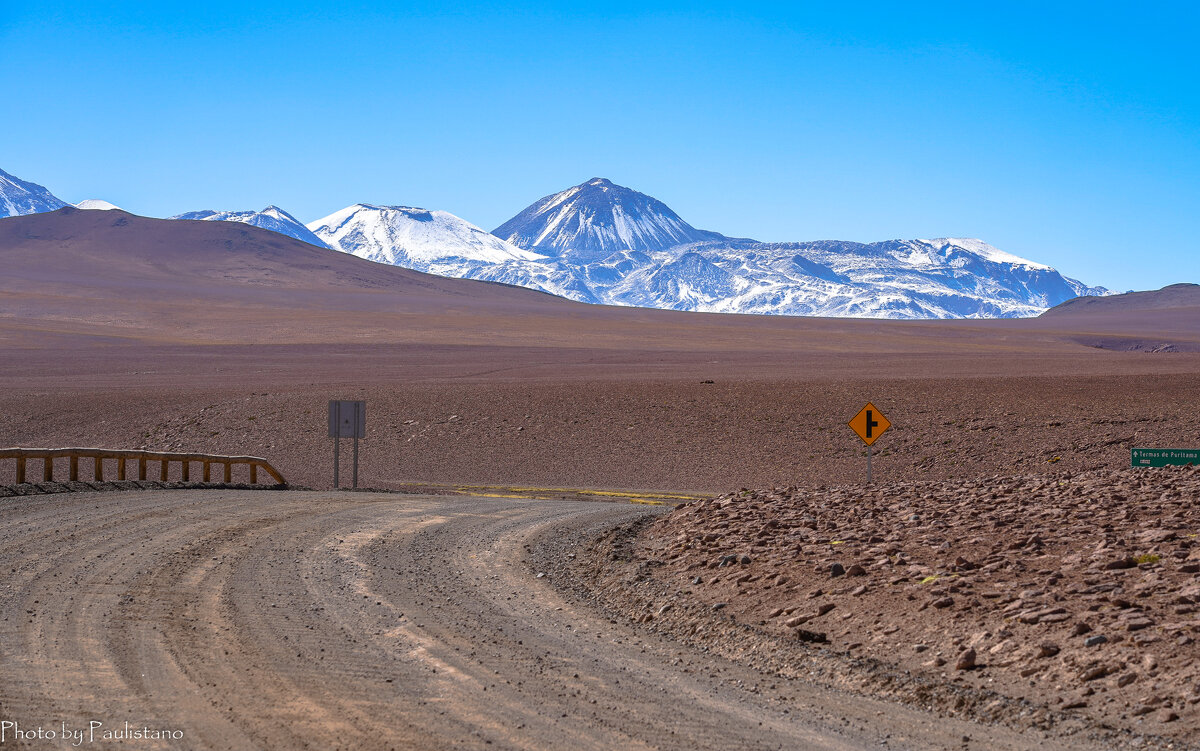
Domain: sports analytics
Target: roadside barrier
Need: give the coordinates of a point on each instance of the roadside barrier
(143, 458)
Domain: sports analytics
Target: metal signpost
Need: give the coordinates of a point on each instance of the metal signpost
(346, 420)
(1163, 457)
(869, 424)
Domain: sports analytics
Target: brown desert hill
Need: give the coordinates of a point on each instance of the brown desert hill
(1163, 320)
(113, 273)
(115, 277)
(1175, 296)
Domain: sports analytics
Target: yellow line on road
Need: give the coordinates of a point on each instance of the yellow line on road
(548, 494)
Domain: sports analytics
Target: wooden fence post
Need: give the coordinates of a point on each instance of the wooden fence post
(20, 469)
(99, 468)
(48, 469)
(74, 474)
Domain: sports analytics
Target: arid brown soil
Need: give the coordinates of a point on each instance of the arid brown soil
(751, 427)
(1068, 595)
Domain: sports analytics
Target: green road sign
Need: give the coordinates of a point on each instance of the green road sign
(1164, 457)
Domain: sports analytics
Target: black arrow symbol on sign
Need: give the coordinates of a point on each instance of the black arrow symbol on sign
(870, 423)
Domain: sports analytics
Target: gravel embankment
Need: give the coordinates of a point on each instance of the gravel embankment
(1067, 603)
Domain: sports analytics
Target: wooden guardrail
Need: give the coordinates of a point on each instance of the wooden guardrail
(143, 458)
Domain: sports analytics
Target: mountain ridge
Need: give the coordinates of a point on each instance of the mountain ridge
(19, 197)
(272, 218)
(599, 242)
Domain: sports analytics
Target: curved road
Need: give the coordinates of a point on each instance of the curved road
(283, 620)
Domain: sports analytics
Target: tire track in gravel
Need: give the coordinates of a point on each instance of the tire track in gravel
(355, 620)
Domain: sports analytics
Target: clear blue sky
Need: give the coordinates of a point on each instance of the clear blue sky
(1068, 134)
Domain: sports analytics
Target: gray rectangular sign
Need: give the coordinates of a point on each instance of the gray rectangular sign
(347, 419)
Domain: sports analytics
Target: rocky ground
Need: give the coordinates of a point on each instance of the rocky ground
(1063, 602)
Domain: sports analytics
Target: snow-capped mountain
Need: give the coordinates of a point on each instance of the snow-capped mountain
(630, 249)
(594, 219)
(438, 242)
(95, 204)
(18, 197)
(272, 218)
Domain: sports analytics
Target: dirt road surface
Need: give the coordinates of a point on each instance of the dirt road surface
(258, 619)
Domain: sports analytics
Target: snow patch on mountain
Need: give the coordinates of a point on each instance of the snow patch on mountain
(19, 197)
(982, 249)
(95, 204)
(272, 218)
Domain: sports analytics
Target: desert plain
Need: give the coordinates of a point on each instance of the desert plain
(474, 601)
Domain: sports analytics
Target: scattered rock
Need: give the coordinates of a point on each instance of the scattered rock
(1020, 571)
(1094, 672)
(1120, 563)
(966, 660)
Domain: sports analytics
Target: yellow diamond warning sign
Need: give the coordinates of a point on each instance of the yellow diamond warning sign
(869, 423)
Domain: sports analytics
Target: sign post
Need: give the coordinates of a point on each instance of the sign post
(869, 424)
(347, 419)
(1163, 457)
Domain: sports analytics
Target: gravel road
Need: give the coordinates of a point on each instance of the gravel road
(257, 619)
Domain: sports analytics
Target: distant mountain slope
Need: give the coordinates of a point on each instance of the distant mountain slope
(272, 218)
(594, 219)
(1162, 320)
(18, 197)
(404, 235)
(1171, 297)
(110, 273)
(438, 242)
